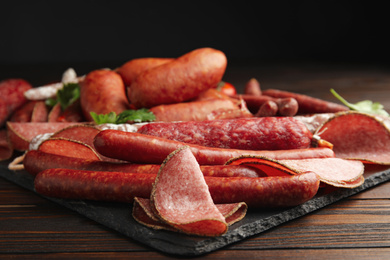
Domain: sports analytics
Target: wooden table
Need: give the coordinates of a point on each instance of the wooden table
(358, 227)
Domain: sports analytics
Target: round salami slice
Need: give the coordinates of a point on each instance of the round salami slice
(358, 136)
(180, 197)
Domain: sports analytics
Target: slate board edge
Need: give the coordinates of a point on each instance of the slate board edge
(177, 244)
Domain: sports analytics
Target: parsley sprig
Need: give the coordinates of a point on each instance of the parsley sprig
(127, 116)
(365, 106)
(65, 96)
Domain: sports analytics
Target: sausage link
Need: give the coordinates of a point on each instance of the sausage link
(124, 187)
(140, 148)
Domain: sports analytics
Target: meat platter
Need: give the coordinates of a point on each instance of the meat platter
(187, 170)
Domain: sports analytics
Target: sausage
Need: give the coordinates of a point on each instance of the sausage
(286, 106)
(256, 133)
(131, 69)
(252, 87)
(36, 161)
(307, 104)
(102, 91)
(269, 108)
(123, 187)
(140, 148)
(180, 80)
(12, 97)
(194, 110)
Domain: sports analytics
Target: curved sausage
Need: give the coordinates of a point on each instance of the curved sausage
(131, 69)
(102, 91)
(180, 80)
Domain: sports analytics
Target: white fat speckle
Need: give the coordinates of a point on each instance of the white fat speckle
(37, 140)
(121, 127)
(50, 91)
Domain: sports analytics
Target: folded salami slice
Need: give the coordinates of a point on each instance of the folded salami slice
(20, 134)
(68, 148)
(333, 171)
(180, 197)
(358, 136)
(143, 213)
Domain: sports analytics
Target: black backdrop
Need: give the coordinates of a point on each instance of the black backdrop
(110, 32)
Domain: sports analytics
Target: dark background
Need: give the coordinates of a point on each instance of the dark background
(47, 37)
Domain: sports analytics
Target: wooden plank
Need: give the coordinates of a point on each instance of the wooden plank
(356, 254)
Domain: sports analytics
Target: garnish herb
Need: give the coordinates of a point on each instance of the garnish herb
(132, 116)
(65, 96)
(365, 106)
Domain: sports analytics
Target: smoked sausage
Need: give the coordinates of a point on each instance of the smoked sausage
(140, 148)
(36, 161)
(102, 91)
(123, 187)
(256, 133)
(131, 69)
(180, 80)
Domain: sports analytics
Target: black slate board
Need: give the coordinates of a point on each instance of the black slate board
(117, 216)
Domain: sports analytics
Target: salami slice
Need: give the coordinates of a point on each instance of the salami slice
(358, 136)
(143, 213)
(263, 133)
(20, 134)
(70, 148)
(180, 197)
(336, 172)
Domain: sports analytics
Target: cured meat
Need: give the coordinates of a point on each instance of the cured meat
(333, 171)
(307, 104)
(21, 134)
(70, 148)
(151, 149)
(358, 136)
(131, 69)
(6, 150)
(11, 97)
(265, 133)
(142, 212)
(286, 106)
(36, 161)
(180, 197)
(32, 111)
(102, 91)
(84, 133)
(252, 87)
(278, 191)
(196, 110)
(180, 80)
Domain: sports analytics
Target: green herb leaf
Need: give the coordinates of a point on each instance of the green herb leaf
(68, 94)
(109, 118)
(365, 106)
(127, 116)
